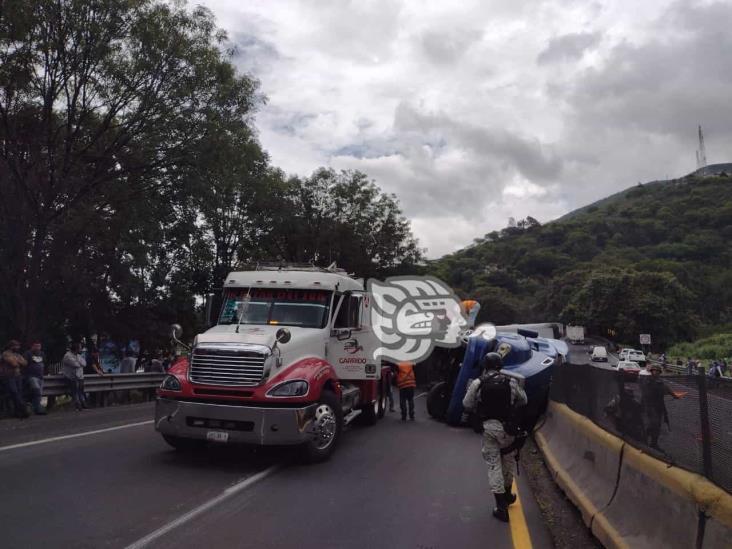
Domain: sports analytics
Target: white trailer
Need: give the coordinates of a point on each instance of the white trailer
(576, 334)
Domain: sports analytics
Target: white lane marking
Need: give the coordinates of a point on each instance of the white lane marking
(230, 491)
(74, 435)
(420, 395)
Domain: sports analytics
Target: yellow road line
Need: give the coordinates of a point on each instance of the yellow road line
(519, 529)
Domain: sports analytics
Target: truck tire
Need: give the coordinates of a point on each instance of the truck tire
(375, 411)
(327, 427)
(184, 444)
(369, 414)
(438, 399)
(382, 396)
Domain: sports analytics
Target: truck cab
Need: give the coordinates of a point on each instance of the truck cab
(289, 360)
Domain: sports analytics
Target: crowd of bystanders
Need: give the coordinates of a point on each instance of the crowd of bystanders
(22, 373)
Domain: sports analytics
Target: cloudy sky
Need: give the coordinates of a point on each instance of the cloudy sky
(472, 112)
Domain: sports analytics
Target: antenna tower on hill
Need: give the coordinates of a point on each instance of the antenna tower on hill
(701, 153)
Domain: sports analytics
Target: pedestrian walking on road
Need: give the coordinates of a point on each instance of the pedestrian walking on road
(12, 364)
(33, 374)
(406, 382)
(495, 397)
(73, 370)
(653, 391)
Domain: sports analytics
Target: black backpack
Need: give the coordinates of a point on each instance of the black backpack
(494, 397)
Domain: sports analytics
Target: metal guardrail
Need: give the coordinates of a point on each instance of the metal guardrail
(56, 385)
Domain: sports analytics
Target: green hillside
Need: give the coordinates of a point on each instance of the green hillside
(655, 258)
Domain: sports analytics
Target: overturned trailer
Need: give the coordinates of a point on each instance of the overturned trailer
(526, 356)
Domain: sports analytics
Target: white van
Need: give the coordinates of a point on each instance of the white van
(599, 354)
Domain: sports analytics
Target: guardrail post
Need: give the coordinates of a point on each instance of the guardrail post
(706, 431)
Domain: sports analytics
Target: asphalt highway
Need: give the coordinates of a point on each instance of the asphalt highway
(396, 484)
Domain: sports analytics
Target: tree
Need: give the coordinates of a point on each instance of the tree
(102, 105)
(631, 303)
(340, 217)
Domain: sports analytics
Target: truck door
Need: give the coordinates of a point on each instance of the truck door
(352, 342)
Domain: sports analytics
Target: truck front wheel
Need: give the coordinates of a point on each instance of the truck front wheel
(184, 444)
(326, 429)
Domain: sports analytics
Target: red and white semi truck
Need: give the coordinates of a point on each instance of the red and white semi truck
(289, 361)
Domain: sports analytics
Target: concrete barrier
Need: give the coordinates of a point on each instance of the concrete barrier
(630, 499)
(584, 459)
(653, 507)
(716, 505)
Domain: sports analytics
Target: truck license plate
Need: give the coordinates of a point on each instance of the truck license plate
(217, 436)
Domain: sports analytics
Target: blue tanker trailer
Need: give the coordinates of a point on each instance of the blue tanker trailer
(526, 356)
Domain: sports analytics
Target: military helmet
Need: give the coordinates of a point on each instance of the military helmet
(491, 361)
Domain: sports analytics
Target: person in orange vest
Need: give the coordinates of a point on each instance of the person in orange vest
(470, 309)
(406, 382)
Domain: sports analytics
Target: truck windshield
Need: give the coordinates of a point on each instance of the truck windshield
(306, 308)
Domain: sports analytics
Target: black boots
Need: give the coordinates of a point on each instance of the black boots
(501, 510)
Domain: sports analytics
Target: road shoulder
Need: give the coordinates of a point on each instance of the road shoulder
(558, 515)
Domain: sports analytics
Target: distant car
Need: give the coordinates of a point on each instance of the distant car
(599, 354)
(624, 352)
(629, 368)
(632, 355)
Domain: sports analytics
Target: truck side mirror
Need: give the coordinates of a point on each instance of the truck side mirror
(176, 331)
(343, 334)
(283, 335)
(212, 305)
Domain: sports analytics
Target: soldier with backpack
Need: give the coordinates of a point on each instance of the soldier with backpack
(495, 397)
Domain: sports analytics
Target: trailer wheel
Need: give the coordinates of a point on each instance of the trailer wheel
(184, 444)
(438, 399)
(326, 429)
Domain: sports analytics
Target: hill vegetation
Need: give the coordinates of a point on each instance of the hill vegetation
(654, 259)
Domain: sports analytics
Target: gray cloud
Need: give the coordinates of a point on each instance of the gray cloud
(568, 47)
(474, 112)
(667, 85)
(252, 54)
(525, 155)
(445, 48)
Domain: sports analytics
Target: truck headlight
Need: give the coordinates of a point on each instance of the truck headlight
(293, 388)
(170, 383)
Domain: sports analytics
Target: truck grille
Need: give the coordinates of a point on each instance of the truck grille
(232, 366)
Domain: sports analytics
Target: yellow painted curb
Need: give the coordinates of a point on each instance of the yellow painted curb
(565, 482)
(714, 501)
(590, 512)
(517, 521)
(710, 498)
(587, 427)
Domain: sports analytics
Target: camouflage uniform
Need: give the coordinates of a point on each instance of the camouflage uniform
(501, 468)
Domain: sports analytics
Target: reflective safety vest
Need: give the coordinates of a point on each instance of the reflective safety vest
(405, 375)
